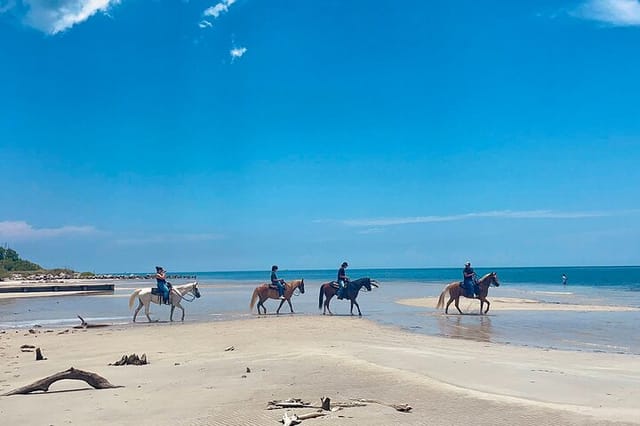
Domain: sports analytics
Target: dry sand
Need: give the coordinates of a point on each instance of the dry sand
(517, 304)
(192, 380)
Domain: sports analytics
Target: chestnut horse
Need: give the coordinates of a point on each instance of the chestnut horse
(264, 292)
(353, 288)
(455, 291)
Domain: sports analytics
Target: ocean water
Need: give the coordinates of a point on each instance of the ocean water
(226, 295)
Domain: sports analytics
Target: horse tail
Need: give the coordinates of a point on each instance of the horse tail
(132, 298)
(320, 297)
(440, 304)
(253, 298)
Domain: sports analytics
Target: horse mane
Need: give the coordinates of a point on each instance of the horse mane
(486, 276)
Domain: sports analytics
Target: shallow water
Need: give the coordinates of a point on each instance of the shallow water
(226, 296)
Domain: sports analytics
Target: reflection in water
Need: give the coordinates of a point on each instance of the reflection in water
(470, 327)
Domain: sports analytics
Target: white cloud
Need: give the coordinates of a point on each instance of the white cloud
(20, 230)
(205, 24)
(237, 52)
(501, 214)
(54, 16)
(614, 12)
(219, 8)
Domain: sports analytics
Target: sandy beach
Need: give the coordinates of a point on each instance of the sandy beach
(192, 380)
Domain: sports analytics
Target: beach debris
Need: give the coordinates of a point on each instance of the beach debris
(326, 403)
(289, 403)
(132, 359)
(63, 332)
(404, 408)
(248, 370)
(94, 380)
(39, 356)
(230, 348)
(84, 324)
(27, 348)
(294, 419)
(32, 331)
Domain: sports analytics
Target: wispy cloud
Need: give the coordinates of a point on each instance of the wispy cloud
(237, 52)
(54, 16)
(205, 24)
(216, 11)
(169, 238)
(20, 230)
(613, 12)
(500, 214)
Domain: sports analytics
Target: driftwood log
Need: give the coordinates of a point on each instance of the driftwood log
(93, 379)
(132, 359)
(405, 408)
(39, 356)
(294, 419)
(84, 324)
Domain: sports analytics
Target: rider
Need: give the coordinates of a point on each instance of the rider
(277, 282)
(343, 279)
(469, 283)
(161, 282)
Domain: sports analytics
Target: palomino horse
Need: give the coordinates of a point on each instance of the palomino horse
(353, 288)
(175, 297)
(455, 291)
(264, 292)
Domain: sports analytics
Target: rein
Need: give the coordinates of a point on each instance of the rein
(193, 296)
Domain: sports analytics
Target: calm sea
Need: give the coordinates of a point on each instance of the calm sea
(225, 295)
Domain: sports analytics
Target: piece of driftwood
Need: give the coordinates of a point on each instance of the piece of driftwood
(289, 403)
(405, 408)
(294, 419)
(39, 356)
(132, 359)
(84, 324)
(92, 379)
(230, 348)
(326, 403)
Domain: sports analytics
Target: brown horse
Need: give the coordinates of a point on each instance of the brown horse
(353, 288)
(264, 292)
(455, 291)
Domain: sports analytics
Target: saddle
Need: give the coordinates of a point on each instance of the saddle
(272, 286)
(334, 284)
(470, 294)
(155, 291)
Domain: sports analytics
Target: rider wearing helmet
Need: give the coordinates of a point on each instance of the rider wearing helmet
(343, 279)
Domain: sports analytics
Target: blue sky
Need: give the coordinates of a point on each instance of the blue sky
(234, 135)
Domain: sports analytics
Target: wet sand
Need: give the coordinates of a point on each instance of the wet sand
(517, 304)
(193, 380)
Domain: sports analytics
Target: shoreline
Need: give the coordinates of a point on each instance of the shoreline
(444, 379)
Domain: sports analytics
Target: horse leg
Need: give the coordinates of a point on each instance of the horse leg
(140, 305)
(261, 303)
(171, 315)
(481, 305)
(279, 306)
(326, 304)
(179, 305)
(351, 300)
(456, 303)
(357, 306)
(146, 310)
(290, 306)
(488, 304)
(446, 309)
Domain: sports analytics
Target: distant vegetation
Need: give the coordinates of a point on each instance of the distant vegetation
(11, 263)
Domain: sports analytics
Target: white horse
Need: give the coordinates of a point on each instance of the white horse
(175, 297)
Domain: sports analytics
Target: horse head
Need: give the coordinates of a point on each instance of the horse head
(489, 280)
(195, 290)
(368, 282)
(301, 286)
